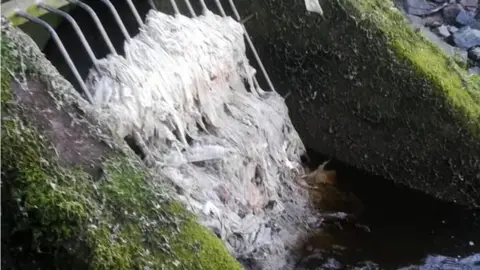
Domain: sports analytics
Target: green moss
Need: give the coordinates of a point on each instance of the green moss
(57, 217)
(196, 237)
(448, 79)
(33, 10)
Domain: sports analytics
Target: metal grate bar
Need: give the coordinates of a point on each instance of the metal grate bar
(127, 36)
(152, 4)
(135, 12)
(77, 30)
(250, 43)
(62, 50)
(190, 9)
(97, 22)
(117, 19)
(204, 7)
(175, 7)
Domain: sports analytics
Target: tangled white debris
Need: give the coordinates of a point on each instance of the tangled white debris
(185, 88)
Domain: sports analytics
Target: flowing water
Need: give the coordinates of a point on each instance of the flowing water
(399, 228)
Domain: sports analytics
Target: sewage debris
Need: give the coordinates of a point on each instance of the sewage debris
(186, 92)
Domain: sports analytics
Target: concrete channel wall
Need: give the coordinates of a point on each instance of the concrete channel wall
(365, 88)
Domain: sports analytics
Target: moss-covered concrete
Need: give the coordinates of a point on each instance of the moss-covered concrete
(72, 197)
(364, 87)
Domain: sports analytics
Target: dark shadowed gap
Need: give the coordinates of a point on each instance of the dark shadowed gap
(404, 225)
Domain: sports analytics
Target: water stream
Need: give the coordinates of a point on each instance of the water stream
(399, 228)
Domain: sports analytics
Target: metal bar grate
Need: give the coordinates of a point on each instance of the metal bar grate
(124, 31)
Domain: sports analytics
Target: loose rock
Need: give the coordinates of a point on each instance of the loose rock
(474, 54)
(452, 29)
(467, 18)
(441, 31)
(474, 70)
(419, 7)
(450, 13)
(435, 20)
(467, 37)
(471, 5)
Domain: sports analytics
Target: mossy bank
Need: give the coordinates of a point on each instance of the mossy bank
(364, 87)
(72, 196)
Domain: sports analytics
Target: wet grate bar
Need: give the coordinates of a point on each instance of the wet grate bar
(32, 11)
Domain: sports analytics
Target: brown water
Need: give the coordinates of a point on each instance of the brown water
(397, 228)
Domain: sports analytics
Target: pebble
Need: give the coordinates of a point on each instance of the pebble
(474, 53)
(331, 263)
(471, 5)
(467, 18)
(467, 37)
(441, 31)
(450, 13)
(433, 20)
(419, 7)
(474, 70)
(452, 29)
(472, 260)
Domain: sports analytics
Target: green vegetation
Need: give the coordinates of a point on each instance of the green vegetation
(59, 217)
(447, 76)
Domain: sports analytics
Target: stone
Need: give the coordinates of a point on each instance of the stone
(415, 20)
(474, 71)
(441, 31)
(467, 18)
(452, 29)
(419, 7)
(474, 53)
(470, 5)
(434, 20)
(467, 37)
(450, 13)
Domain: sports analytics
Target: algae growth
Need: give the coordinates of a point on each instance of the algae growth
(362, 86)
(447, 77)
(58, 215)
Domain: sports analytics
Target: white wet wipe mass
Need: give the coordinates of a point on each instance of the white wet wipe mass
(313, 6)
(185, 87)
